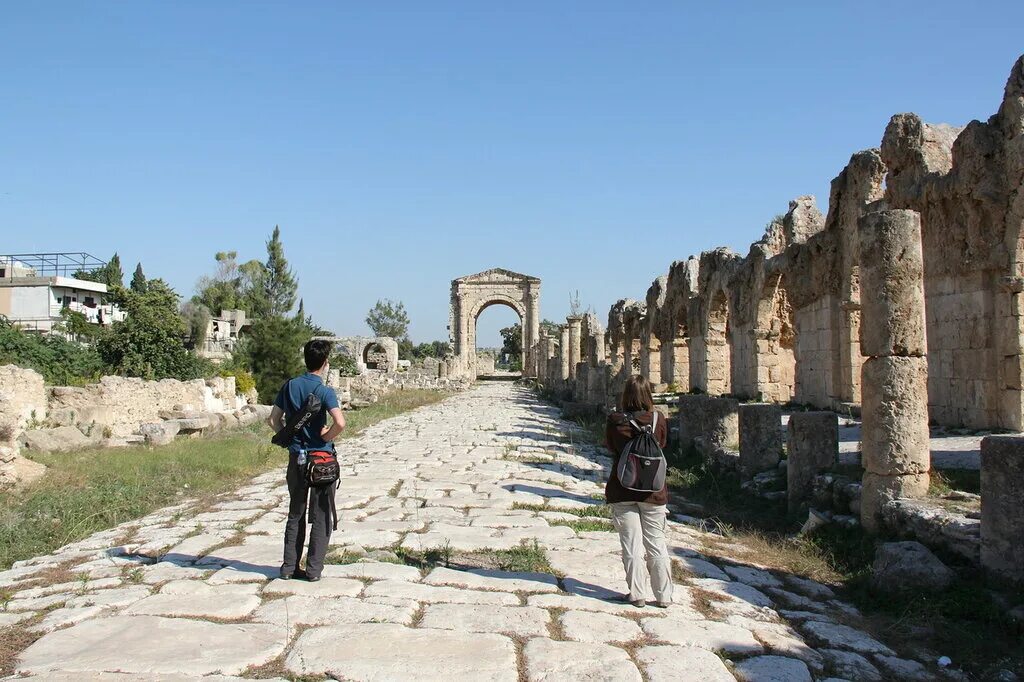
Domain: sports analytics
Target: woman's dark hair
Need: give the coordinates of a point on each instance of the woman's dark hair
(316, 353)
(636, 396)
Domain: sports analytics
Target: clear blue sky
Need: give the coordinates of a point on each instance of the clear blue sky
(586, 143)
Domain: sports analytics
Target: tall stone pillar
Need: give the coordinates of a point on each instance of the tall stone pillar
(650, 358)
(894, 376)
(541, 357)
(532, 323)
(598, 355)
(563, 352)
(575, 325)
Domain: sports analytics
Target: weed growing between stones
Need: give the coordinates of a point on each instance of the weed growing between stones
(584, 525)
(598, 510)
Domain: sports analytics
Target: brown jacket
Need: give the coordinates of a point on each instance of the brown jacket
(618, 432)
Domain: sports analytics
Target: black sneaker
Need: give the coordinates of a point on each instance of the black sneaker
(312, 579)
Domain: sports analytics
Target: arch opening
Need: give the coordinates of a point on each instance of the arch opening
(776, 343)
(488, 342)
(375, 357)
(719, 346)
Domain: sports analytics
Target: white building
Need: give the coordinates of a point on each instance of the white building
(222, 334)
(35, 302)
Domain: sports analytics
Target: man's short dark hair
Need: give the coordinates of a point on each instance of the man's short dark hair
(316, 353)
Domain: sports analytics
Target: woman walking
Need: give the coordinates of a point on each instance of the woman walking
(639, 517)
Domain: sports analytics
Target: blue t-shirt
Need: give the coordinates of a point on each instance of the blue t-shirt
(292, 397)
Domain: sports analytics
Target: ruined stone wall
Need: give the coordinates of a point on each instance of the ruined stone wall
(122, 403)
(23, 397)
(783, 323)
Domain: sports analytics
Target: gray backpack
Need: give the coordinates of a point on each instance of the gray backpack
(642, 466)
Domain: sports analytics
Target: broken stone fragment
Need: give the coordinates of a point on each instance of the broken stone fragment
(902, 567)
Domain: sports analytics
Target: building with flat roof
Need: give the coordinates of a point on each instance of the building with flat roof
(36, 288)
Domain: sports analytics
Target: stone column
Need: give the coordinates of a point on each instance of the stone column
(563, 352)
(575, 325)
(760, 438)
(812, 447)
(1002, 519)
(650, 358)
(599, 356)
(894, 376)
(532, 322)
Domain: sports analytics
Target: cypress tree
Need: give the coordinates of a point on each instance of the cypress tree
(138, 284)
(279, 284)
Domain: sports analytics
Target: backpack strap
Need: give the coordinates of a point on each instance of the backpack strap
(654, 420)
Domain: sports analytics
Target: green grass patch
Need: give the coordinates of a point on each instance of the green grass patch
(603, 511)
(585, 525)
(96, 489)
(526, 558)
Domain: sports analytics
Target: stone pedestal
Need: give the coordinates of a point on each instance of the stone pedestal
(1002, 516)
(812, 447)
(691, 421)
(722, 424)
(894, 375)
(760, 438)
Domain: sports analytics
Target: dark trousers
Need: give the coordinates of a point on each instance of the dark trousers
(317, 503)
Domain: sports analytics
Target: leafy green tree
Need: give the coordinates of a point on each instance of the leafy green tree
(388, 318)
(512, 337)
(345, 364)
(61, 362)
(512, 340)
(138, 284)
(149, 343)
(279, 283)
(110, 274)
(114, 275)
(197, 320)
(275, 353)
(79, 328)
(434, 349)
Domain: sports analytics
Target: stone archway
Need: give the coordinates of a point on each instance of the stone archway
(472, 294)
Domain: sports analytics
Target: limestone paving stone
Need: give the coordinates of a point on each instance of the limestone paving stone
(293, 611)
(486, 579)
(702, 568)
(850, 665)
(372, 570)
(598, 628)
(198, 599)
(146, 645)
(667, 663)
(844, 637)
(548, 660)
(437, 594)
(524, 621)
(324, 588)
(772, 669)
(375, 652)
(703, 633)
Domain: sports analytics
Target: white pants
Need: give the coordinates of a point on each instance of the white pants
(641, 529)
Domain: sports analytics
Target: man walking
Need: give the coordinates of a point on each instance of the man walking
(314, 436)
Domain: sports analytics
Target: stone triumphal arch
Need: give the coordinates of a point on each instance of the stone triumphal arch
(473, 294)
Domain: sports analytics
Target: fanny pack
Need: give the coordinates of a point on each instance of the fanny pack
(323, 471)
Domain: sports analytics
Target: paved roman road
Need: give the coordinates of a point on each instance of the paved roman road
(187, 592)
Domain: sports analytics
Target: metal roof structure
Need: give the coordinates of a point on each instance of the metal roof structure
(61, 264)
